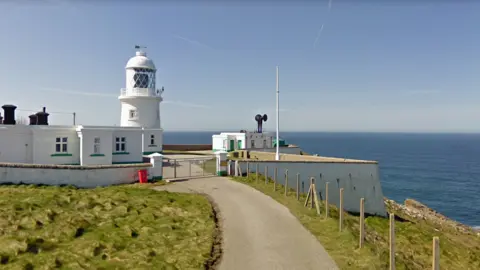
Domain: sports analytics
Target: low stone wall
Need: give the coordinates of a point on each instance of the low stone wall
(359, 179)
(267, 156)
(187, 147)
(80, 176)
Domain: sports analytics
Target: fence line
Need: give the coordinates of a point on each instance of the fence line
(312, 200)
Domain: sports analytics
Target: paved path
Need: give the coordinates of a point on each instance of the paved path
(258, 232)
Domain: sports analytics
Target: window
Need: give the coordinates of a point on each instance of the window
(120, 144)
(152, 139)
(141, 80)
(264, 143)
(61, 145)
(96, 145)
(132, 114)
(253, 143)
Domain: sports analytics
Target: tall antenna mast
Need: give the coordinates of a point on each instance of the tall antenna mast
(277, 154)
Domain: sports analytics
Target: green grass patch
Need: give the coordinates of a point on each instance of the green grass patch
(122, 227)
(211, 166)
(413, 237)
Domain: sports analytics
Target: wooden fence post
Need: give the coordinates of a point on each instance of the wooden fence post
(340, 211)
(326, 200)
(266, 174)
(298, 186)
(392, 241)
(315, 197)
(311, 191)
(309, 194)
(256, 172)
(436, 253)
(286, 182)
(275, 179)
(362, 222)
(248, 169)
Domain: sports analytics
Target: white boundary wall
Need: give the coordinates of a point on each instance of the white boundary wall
(79, 176)
(359, 180)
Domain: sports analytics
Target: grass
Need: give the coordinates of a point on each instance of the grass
(121, 227)
(211, 166)
(413, 237)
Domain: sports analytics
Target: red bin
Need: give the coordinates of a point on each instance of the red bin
(142, 176)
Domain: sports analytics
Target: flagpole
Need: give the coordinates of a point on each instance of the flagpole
(277, 154)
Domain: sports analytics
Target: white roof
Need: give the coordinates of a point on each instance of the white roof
(140, 60)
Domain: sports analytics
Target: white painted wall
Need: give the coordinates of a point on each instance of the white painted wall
(155, 173)
(16, 144)
(222, 141)
(81, 178)
(44, 141)
(157, 145)
(359, 180)
(134, 145)
(147, 108)
(219, 142)
(87, 138)
(36, 144)
(261, 140)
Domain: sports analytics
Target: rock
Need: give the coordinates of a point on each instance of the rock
(417, 211)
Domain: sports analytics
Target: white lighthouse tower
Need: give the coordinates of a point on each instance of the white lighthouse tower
(140, 98)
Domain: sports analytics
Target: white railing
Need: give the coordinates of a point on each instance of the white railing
(144, 92)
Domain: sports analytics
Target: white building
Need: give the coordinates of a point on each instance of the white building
(252, 141)
(227, 141)
(139, 133)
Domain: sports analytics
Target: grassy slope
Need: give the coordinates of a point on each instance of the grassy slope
(413, 239)
(115, 227)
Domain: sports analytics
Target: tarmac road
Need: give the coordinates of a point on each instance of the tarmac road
(258, 233)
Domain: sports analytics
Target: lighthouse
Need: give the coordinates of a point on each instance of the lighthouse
(140, 99)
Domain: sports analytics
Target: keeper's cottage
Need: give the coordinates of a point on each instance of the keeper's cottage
(138, 135)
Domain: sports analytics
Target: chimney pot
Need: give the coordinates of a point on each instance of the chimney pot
(9, 114)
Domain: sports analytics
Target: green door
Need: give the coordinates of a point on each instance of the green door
(239, 144)
(232, 145)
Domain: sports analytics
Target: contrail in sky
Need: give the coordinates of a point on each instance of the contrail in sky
(318, 37)
(191, 41)
(321, 28)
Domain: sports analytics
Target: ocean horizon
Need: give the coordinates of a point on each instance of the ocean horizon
(441, 170)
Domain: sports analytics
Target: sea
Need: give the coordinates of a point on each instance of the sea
(439, 170)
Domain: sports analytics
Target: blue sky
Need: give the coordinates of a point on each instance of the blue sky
(371, 67)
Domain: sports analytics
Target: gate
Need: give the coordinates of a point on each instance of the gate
(188, 167)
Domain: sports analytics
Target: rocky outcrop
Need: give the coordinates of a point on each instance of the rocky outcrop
(413, 210)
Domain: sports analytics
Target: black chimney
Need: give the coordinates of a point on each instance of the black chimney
(33, 119)
(9, 114)
(42, 117)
